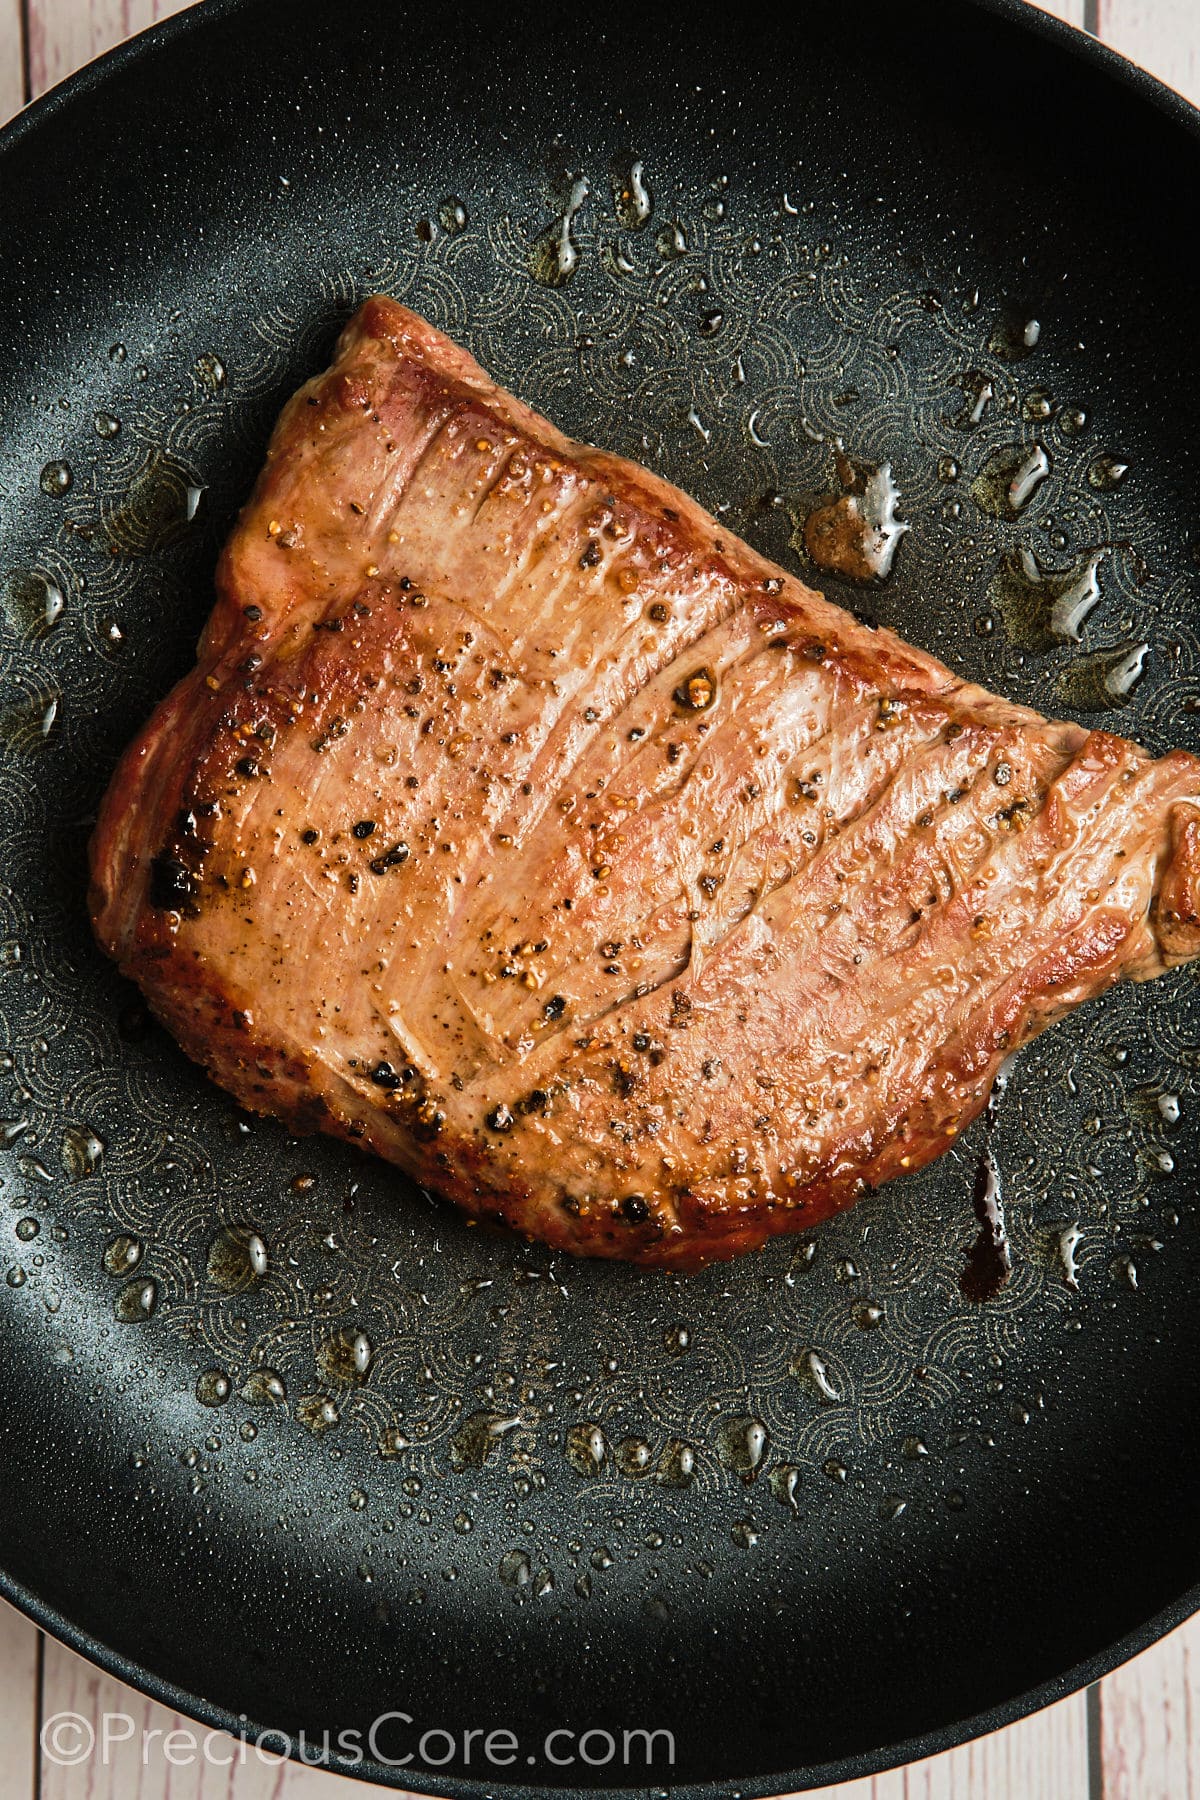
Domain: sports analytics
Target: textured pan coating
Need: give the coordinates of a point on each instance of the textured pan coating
(521, 824)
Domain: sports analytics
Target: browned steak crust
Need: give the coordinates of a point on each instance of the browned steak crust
(520, 823)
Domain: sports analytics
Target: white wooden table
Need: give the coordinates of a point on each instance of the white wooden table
(1135, 1736)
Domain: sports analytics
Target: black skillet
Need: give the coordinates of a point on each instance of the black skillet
(856, 217)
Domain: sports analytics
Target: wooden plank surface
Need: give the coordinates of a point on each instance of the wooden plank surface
(64, 34)
(1150, 1722)
(1162, 35)
(143, 1751)
(20, 1652)
(12, 58)
(1144, 1737)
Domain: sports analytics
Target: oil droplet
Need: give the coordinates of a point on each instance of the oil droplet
(136, 1301)
(1014, 337)
(1069, 1240)
(1009, 478)
(117, 353)
(915, 1448)
(516, 1570)
(947, 469)
(213, 1387)
(477, 1437)
(631, 198)
(27, 726)
(161, 502)
(1106, 473)
(989, 1263)
(356, 1499)
(81, 1151)
(587, 1448)
(868, 1315)
(978, 394)
(891, 1506)
(56, 478)
(1152, 1106)
(27, 1229)
(1072, 421)
(393, 1443)
(678, 1340)
(346, 1356)
(671, 242)
(634, 1456)
(745, 1533)
(264, 1387)
(677, 1464)
(33, 602)
(1044, 607)
(1103, 681)
(106, 425)
(1124, 1270)
(16, 1276)
(237, 1258)
(122, 1254)
(741, 1445)
(211, 371)
(452, 215)
(318, 1412)
(1038, 405)
(810, 1366)
(855, 534)
(783, 1481)
(554, 257)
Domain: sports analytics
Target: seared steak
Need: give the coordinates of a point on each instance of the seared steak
(521, 824)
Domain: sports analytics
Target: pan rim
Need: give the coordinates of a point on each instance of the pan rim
(42, 112)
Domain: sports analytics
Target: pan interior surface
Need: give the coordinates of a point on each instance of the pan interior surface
(285, 1432)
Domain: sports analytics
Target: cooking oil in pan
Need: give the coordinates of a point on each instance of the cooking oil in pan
(453, 216)
(1014, 337)
(236, 1259)
(742, 1445)
(1104, 680)
(28, 725)
(855, 533)
(631, 197)
(122, 1254)
(136, 1301)
(161, 501)
(346, 1356)
(33, 602)
(56, 479)
(82, 1151)
(1044, 607)
(1009, 479)
(554, 257)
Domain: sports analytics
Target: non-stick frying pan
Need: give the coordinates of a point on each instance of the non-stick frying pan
(285, 1442)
